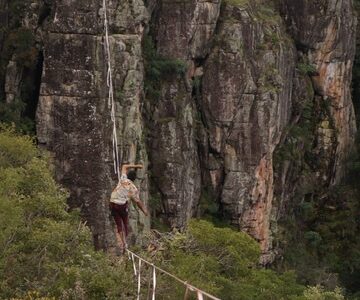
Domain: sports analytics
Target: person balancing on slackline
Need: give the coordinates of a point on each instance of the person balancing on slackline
(125, 191)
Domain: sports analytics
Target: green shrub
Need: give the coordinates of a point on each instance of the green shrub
(13, 113)
(318, 293)
(300, 137)
(239, 3)
(223, 262)
(306, 69)
(47, 251)
(322, 243)
(158, 68)
(15, 150)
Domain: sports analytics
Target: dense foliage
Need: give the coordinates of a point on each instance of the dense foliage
(44, 248)
(224, 262)
(46, 251)
(321, 241)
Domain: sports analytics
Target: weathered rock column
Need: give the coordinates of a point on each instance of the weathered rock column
(73, 117)
(183, 30)
(246, 94)
(325, 34)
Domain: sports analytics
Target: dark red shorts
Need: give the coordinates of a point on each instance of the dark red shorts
(121, 216)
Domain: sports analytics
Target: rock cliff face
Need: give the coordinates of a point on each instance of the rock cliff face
(183, 31)
(325, 34)
(73, 117)
(246, 101)
(250, 69)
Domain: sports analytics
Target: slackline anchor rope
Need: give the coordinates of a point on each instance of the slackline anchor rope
(200, 293)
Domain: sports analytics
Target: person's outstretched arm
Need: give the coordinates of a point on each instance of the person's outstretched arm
(141, 206)
(134, 196)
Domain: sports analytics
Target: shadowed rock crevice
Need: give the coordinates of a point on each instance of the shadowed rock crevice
(209, 205)
(30, 90)
(21, 62)
(45, 11)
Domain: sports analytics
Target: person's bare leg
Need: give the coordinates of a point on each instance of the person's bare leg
(120, 240)
(122, 237)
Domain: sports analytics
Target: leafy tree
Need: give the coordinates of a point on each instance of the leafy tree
(46, 250)
(224, 262)
(318, 293)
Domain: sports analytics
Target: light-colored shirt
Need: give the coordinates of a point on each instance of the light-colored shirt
(124, 191)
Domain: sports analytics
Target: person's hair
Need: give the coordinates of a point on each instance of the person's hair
(131, 175)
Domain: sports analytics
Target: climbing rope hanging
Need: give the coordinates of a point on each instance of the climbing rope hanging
(132, 255)
(111, 102)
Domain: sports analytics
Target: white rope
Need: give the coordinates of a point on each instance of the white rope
(199, 295)
(133, 261)
(154, 283)
(111, 101)
(200, 292)
(186, 296)
(139, 280)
